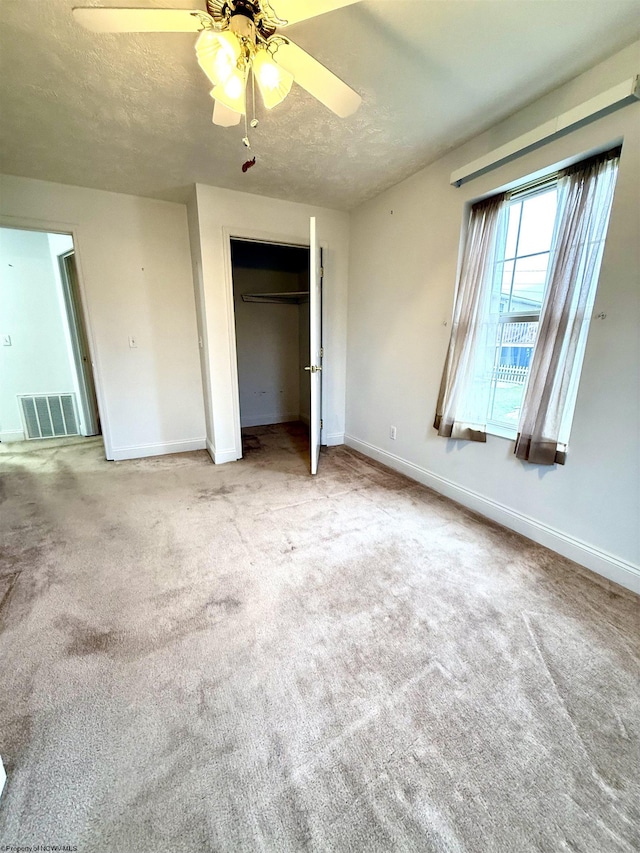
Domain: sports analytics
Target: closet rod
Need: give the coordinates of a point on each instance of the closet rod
(290, 296)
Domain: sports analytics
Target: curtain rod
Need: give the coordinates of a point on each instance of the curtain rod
(618, 96)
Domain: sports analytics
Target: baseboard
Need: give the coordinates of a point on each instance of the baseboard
(266, 420)
(603, 563)
(219, 457)
(141, 451)
(335, 438)
(222, 456)
(12, 435)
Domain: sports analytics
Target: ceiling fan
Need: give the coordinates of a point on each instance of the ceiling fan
(238, 39)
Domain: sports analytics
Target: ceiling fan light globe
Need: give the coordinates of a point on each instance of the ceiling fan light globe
(273, 81)
(269, 75)
(224, 117)
(217, 54)
(232, 93)
(233, 87)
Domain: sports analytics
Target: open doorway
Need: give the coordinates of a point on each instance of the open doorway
(271, 307)
(47, 389)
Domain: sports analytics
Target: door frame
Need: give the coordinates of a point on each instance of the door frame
(254, 236)
(56, 227)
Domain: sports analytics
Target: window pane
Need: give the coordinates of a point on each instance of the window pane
(538, 217)
(512, 229)
(507, 276)
(514, 348)
(528, 283)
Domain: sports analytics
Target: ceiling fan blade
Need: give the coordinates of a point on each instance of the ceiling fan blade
(317, 80)
(293, 11)
(223, 116)
(101, 19)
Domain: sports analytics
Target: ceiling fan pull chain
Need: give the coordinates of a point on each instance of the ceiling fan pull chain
(245, 138)
(254, 120)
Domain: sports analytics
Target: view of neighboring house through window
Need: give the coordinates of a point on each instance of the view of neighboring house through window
(521, 262)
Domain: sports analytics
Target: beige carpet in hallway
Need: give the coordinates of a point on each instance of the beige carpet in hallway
(243, 658)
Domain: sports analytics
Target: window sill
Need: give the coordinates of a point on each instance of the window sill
(502, 431)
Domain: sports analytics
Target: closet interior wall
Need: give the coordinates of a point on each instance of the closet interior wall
(272, 339)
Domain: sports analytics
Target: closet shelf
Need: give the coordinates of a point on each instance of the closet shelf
(291, 297)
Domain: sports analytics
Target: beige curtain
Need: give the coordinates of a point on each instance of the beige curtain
(585, 193)
(460, 412)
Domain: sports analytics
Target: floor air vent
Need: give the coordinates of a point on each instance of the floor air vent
(49, 416)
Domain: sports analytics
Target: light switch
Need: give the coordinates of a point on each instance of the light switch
(133, 343)
(6, 340)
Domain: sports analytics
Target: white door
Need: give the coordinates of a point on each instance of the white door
(315, 343)
(71, 293)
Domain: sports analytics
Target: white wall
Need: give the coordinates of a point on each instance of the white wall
(218, 213)
(268, 347)
(404, 255)
(135, 272)
(31, 313)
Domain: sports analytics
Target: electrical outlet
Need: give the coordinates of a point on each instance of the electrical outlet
(6, 340)
(133, 343)
(392, 433)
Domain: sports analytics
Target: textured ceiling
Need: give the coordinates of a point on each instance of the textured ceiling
(132, 113)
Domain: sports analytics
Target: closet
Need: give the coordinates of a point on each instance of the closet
(271, 305)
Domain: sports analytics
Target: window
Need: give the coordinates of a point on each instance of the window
(521, 264)
(524, 300)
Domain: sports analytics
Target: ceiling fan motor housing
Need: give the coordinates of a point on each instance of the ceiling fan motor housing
(248, 8)
(243, 26)
(263, 19)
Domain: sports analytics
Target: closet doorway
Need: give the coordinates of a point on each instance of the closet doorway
(277, 378)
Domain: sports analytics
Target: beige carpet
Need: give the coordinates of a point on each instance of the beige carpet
(242, 658)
